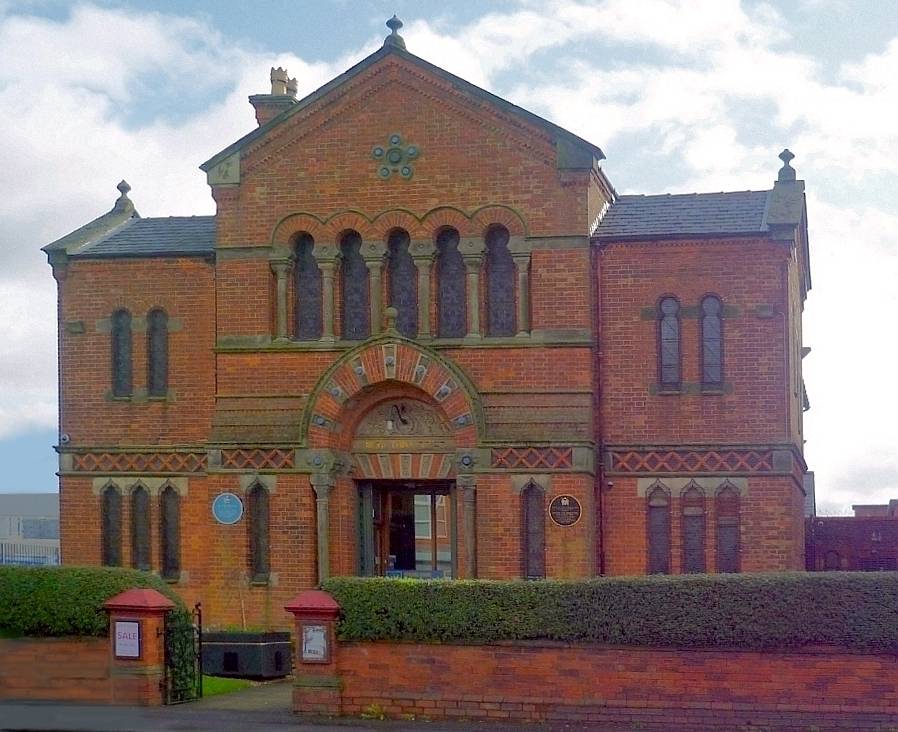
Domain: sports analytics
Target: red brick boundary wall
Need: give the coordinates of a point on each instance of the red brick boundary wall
(656, 689)
(86, 669)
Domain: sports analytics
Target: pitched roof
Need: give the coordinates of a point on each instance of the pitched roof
(561, 134)
(691, 214)
(156, 237)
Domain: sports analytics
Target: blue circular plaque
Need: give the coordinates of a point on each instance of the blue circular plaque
(227, 508)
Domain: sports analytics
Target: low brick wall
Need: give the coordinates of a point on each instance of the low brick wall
(659, 689)
(64, 669)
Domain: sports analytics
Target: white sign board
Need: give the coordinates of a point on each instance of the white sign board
(314, 643)
(127, 639)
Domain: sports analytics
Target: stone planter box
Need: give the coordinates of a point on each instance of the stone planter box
(247, 655)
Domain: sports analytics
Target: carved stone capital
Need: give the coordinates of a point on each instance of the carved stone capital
(325, 253)
(422, 250)
(322, 484)
(373, 252)
(280, 267)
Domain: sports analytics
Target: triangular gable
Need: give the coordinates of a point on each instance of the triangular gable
(573, 151)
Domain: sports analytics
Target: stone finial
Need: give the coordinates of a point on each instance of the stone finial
(279, 81)
(390, 316)
(394, 39)
(123, 202)
(787, 172)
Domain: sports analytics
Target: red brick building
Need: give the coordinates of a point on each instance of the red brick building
(866, 542)
(424, 336)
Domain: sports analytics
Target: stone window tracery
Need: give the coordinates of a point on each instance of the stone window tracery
(170, 533)
(500, 284)
(658, 521)
(111, 512)
(259, 542)
(121, 353)
(712, 341)
(451, 309)
(307, 290)
(669, 343)
(354, 281)
(140, 529)
(157, 353)
(402, 283)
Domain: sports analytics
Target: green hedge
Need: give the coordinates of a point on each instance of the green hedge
(58, 601)
(788, 610)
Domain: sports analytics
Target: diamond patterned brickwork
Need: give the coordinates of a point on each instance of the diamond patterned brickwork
(533, 458)
(139, 462)
(256, 458)
(691, 461)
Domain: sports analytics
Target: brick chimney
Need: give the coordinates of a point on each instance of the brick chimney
(283, 96)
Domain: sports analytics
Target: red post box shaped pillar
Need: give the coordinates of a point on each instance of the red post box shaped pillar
(316, 686)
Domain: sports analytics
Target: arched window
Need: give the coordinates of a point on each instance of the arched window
(121, 353)
(712, 341)
(111, 513)
(354, 284)
(307, 288)
(693, 527)
(170, 533)
(533, 525)
(500, 304)
(659, 531)
(402, 283)
(157, 353)
(140, 528)
(669, 343)
(259, 563)
(451, 304)
(727, 511)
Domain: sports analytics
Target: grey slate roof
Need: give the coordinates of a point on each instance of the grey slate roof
(32, 505)
(638, 217)
(159, 237)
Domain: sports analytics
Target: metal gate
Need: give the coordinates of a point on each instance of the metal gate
(182, 680)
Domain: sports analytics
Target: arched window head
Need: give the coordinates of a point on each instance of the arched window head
(451, 303)
(111, 519)
(402, 283)
(658, 521)
(157, 353)
(669, 343)
(259, 548)
(140, 529)
(533, 530)
(307, 290)
(354, 286)
(170, 532)
(121, 354)
(500, 279)
(693, 527)
(727, 511)
(712, 341)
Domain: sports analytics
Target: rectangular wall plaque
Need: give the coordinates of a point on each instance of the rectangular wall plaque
(127, 639)
(315, 647)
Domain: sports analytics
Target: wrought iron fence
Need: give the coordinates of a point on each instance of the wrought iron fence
(28, 554)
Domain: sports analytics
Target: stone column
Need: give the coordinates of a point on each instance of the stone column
(472, 253)
(375, 270)
(323, 484)
(281, 267)
(468, 485)
(327, 263)
(316, 681)
(522, 265)
(422, 255)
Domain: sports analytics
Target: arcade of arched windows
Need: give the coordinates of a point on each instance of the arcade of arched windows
(448, 287)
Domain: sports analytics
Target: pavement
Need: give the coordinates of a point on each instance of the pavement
(257, 708)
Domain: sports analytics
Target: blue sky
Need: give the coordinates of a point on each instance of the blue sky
(682, 96)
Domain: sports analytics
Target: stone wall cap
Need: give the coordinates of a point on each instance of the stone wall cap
(139, 599)
(309, 603)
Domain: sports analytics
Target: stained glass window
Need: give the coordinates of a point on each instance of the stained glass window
(451, 302)
(727, 510)
(669, 342)
(111, 512)
(534, 531)
(307, 286)
(500, 276)
(712, 341)
(157, 353)
(258, 534)
(354, 281)
(659, 532)
(402, 284)
(140, 529)
(693, 531)
(171, 533)
(121, 353)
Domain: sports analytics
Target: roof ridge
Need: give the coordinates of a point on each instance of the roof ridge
(691, 193)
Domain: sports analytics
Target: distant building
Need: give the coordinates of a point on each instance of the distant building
(29, 528)
(866, 542)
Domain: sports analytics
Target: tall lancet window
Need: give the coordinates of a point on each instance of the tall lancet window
(669, 343)
(500, 276)
(140, 529)
(111, 517)
(157, 353)
(121, 353)
(354, 285)
(402, 284)
(170, 533)
(712, 342)
(307, 289)
(451, 308)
